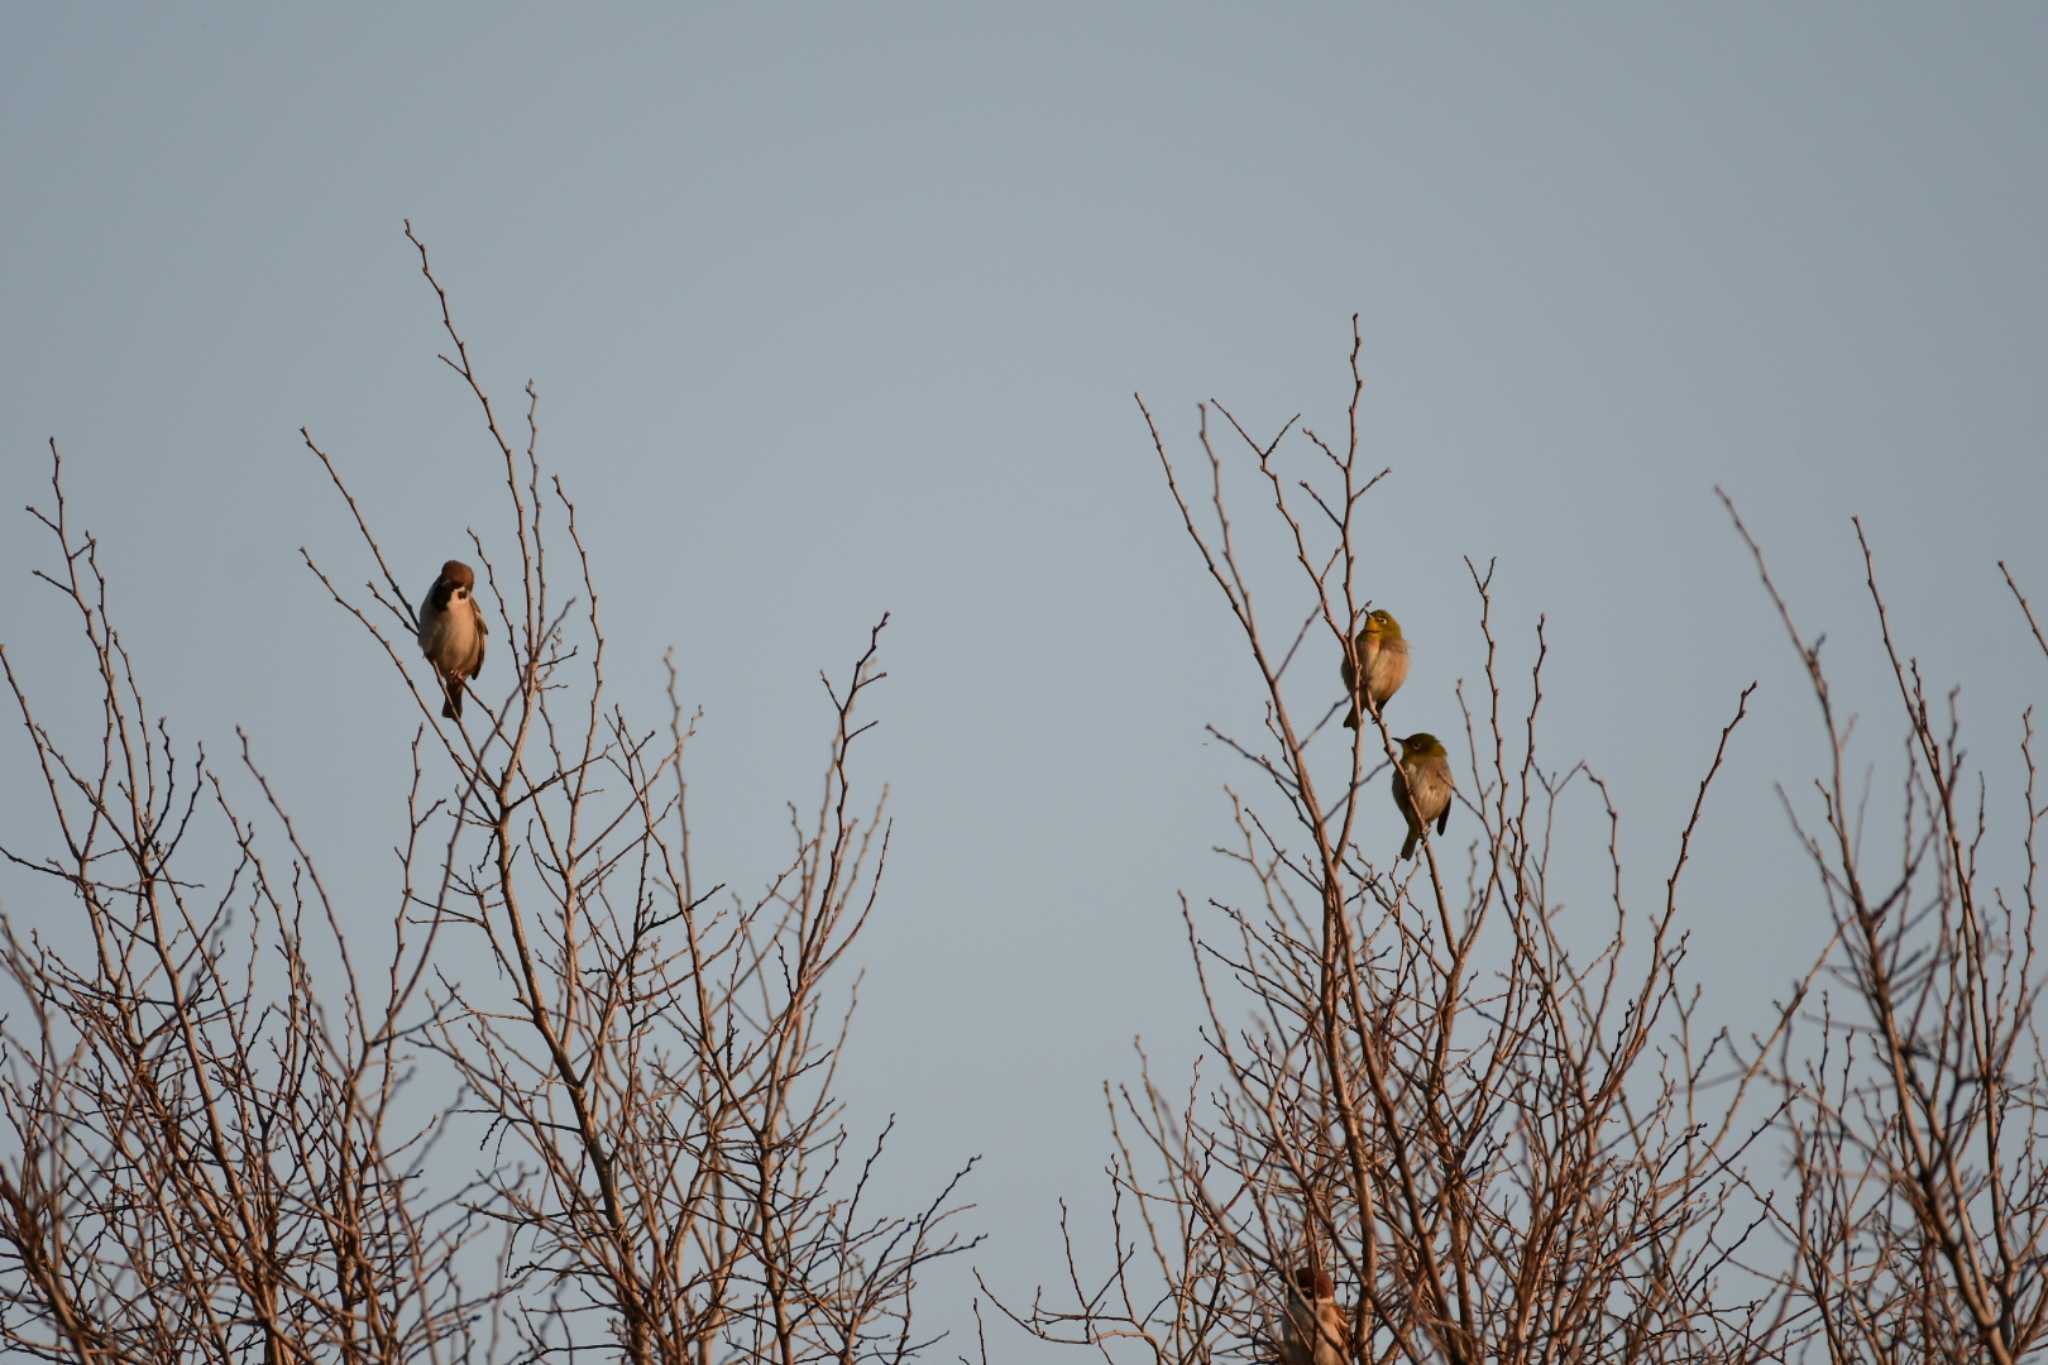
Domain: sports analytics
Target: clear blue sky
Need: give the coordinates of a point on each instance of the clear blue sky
(839, 309)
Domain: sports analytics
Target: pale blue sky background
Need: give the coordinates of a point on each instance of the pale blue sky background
(839, 309)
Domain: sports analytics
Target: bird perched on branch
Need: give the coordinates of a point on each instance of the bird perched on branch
(1313, 1329)
(1381, 655)
(452, 632)
(1422, 787)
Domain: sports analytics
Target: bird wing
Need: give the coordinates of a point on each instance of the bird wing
(483, 630)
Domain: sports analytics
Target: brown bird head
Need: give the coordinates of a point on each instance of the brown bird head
(457, 581)
(1312, 1282)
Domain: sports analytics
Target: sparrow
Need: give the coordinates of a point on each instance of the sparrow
(452, 632)
(1313, 1329)
(1382, 654)
(1422, 787)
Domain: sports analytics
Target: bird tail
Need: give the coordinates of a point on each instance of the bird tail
(1408, 848)
(1351, 721)
(452, 708)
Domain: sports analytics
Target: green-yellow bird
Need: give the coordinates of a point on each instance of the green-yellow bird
(1383, 656)
(1422, 787)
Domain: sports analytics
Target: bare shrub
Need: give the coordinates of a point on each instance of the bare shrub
(217, 1089)
(1508, 1142)
(1917, 1115)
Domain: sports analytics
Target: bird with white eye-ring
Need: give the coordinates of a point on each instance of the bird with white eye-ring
(1422, 787)
(1379, 654)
